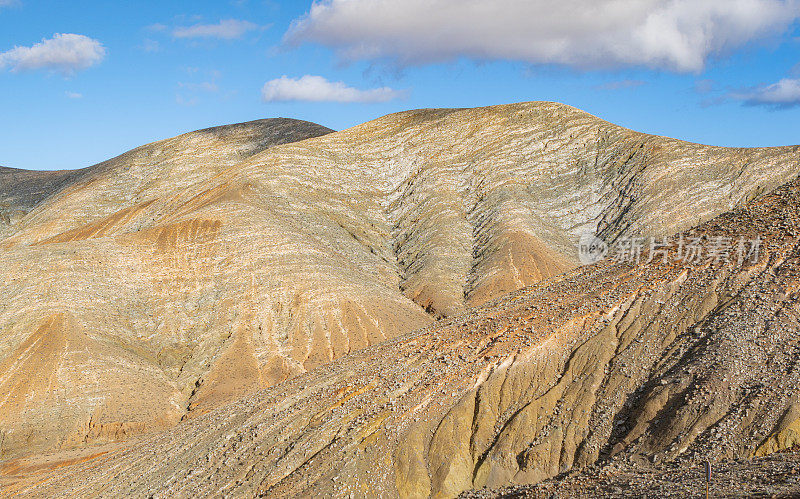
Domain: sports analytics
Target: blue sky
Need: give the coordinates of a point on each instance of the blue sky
(81, 82)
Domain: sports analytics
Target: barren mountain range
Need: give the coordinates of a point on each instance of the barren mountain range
(394, 309)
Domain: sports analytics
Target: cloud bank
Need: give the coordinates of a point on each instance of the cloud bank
(65, 53)
(676, 35)
(226, 29)
(312, 88)
(781, 95)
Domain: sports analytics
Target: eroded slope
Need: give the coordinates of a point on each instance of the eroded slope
(210, 265)
(662, 362)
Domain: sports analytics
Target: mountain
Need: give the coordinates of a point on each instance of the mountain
(628, 366)
(189, 273)
(21, 190)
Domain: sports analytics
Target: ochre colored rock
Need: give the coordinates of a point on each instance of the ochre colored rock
(615, 362)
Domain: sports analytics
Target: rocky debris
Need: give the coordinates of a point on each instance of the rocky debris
(633, 376)
(777, 475)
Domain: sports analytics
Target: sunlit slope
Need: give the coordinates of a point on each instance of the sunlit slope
(659, 363)
(189, 272)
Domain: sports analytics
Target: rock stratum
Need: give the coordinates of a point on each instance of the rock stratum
(216, 277)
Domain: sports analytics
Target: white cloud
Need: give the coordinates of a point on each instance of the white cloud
(227, 29)
(8, 3)
(677, 35)
(783, 94)
(73, 95)
(317, 89)
(65, 53)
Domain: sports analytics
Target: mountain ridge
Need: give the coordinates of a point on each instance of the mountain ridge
(211, 266)
(13, 180)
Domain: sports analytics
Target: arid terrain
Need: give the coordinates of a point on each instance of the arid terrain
(398, 309)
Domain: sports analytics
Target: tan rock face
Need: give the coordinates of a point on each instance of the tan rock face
(189, 272)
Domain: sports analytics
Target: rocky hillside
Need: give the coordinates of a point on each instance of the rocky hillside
(21, 190)
(667, 362)
(191, 272)
(776, 475)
